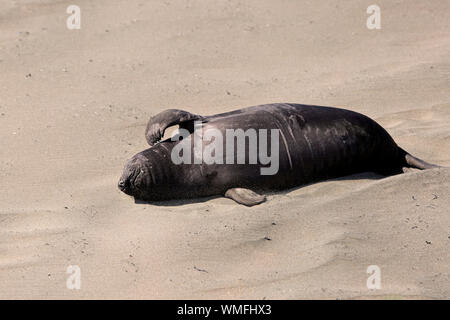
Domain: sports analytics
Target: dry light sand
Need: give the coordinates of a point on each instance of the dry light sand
(74, 104)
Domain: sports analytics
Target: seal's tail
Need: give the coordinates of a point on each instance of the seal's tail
(413, 162)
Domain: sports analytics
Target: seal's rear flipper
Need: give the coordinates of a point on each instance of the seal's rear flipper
(414, 162)
(418, 163)
(245, 196)
(160, 122)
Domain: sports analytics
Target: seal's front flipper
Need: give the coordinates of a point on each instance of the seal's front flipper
(160, 122)
(245, 196)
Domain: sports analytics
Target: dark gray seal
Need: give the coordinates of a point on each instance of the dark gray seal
(315, 143)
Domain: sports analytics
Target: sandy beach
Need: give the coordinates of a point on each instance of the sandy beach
(73, 109)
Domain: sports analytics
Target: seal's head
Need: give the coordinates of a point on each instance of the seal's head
(136, 178)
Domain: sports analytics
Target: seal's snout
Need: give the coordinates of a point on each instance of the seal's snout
(126, 180)
(135, 180)
(122, 185)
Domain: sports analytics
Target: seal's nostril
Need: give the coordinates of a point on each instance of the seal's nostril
(121, 184)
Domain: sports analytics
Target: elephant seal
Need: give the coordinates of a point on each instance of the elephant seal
(313, 143)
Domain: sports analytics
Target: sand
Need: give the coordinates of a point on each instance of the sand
(74, 104)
